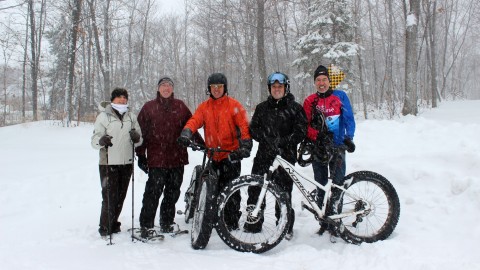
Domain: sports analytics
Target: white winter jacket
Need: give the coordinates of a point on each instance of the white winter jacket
(107, 122)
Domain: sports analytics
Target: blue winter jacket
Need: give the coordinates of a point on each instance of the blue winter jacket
(335, 105)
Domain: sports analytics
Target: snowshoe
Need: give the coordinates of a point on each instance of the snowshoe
(146, 235)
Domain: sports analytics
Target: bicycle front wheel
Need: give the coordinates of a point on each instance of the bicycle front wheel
(273, 216)
(204, 216)
(376, 197)
(190, 197)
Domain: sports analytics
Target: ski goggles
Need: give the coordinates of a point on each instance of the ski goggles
(277, 77)
(216, 85)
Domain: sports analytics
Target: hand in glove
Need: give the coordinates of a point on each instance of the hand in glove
(142, 163)
(105, 140)
(242, 152)
(349, 144)
(134, 136)
(185, 137)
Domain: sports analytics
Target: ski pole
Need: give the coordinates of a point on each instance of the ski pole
(108, 199)
(133, 186)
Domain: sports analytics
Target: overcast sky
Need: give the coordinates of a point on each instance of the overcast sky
(172, 5)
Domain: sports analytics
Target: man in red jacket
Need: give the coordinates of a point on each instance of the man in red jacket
(161, 121)
(225, 125)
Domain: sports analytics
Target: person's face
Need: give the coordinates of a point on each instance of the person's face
(277, 90)
(217, 90)
(120, 100)
(165, 89)
(322, 83)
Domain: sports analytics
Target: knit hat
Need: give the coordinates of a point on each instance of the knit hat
(321, 70)
(165, 79)
(117, 92)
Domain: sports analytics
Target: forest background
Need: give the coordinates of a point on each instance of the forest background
(60, 58)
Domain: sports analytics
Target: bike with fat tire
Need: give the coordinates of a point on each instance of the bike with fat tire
(201, 198)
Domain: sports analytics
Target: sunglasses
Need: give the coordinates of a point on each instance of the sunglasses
(216, 86)
(277, 77)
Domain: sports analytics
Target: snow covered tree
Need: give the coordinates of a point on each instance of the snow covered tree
(329, 38)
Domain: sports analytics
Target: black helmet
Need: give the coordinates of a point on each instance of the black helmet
(217, 78)
(281, 78)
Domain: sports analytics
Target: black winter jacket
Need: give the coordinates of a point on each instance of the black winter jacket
(281, 123)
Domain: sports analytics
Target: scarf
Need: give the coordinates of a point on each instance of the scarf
(121, 108)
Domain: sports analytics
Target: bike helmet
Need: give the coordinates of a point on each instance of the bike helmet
(217, 78)
(281, 78)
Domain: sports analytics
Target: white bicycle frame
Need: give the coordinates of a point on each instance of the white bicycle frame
(296, 178)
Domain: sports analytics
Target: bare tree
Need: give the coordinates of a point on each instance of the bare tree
(103, 56)
(411, 43)
(261, 46)
(76, 11)
(431, 23)
(33, 60)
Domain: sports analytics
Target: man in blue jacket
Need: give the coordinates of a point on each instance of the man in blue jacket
(330, 124)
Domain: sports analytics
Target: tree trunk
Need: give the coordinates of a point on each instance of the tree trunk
(33, 51)
(103, 65)
(433, 59)
(375, 93)
(106, 44)
(24, 69)
(77, 10)
(261, 47)
(223, 48)
(410, 100)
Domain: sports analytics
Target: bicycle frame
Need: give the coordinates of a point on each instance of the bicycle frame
(208, 154)
(296, 177)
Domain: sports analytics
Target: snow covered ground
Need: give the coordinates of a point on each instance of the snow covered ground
(50, 203)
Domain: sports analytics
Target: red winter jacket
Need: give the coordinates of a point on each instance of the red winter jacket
(225, 122)
(161, 121)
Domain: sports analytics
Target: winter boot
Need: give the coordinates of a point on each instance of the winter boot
(116, 227)
(289, 235)
(103, 231)
(167, 228)
(147, 232)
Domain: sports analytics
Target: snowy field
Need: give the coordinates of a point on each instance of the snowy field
(50, 203)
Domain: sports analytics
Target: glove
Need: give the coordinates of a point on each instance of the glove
(135, 136)
(242, 152)
(142, 163)
(235, 155)
(105, 140)
(349, 144)
(185, 137)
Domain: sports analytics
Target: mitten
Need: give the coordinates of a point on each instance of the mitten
(105, 140)
(135, 136)
(349, 144)
(185, 137)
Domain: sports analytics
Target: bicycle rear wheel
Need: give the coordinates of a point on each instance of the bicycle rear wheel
(274, 226)
(375, 195)
(204, 216)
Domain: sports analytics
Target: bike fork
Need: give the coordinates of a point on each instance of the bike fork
(257, 209)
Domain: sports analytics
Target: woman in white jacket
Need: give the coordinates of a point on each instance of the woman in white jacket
(115, 135)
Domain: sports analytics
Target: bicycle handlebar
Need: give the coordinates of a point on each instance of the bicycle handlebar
(200, 147)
